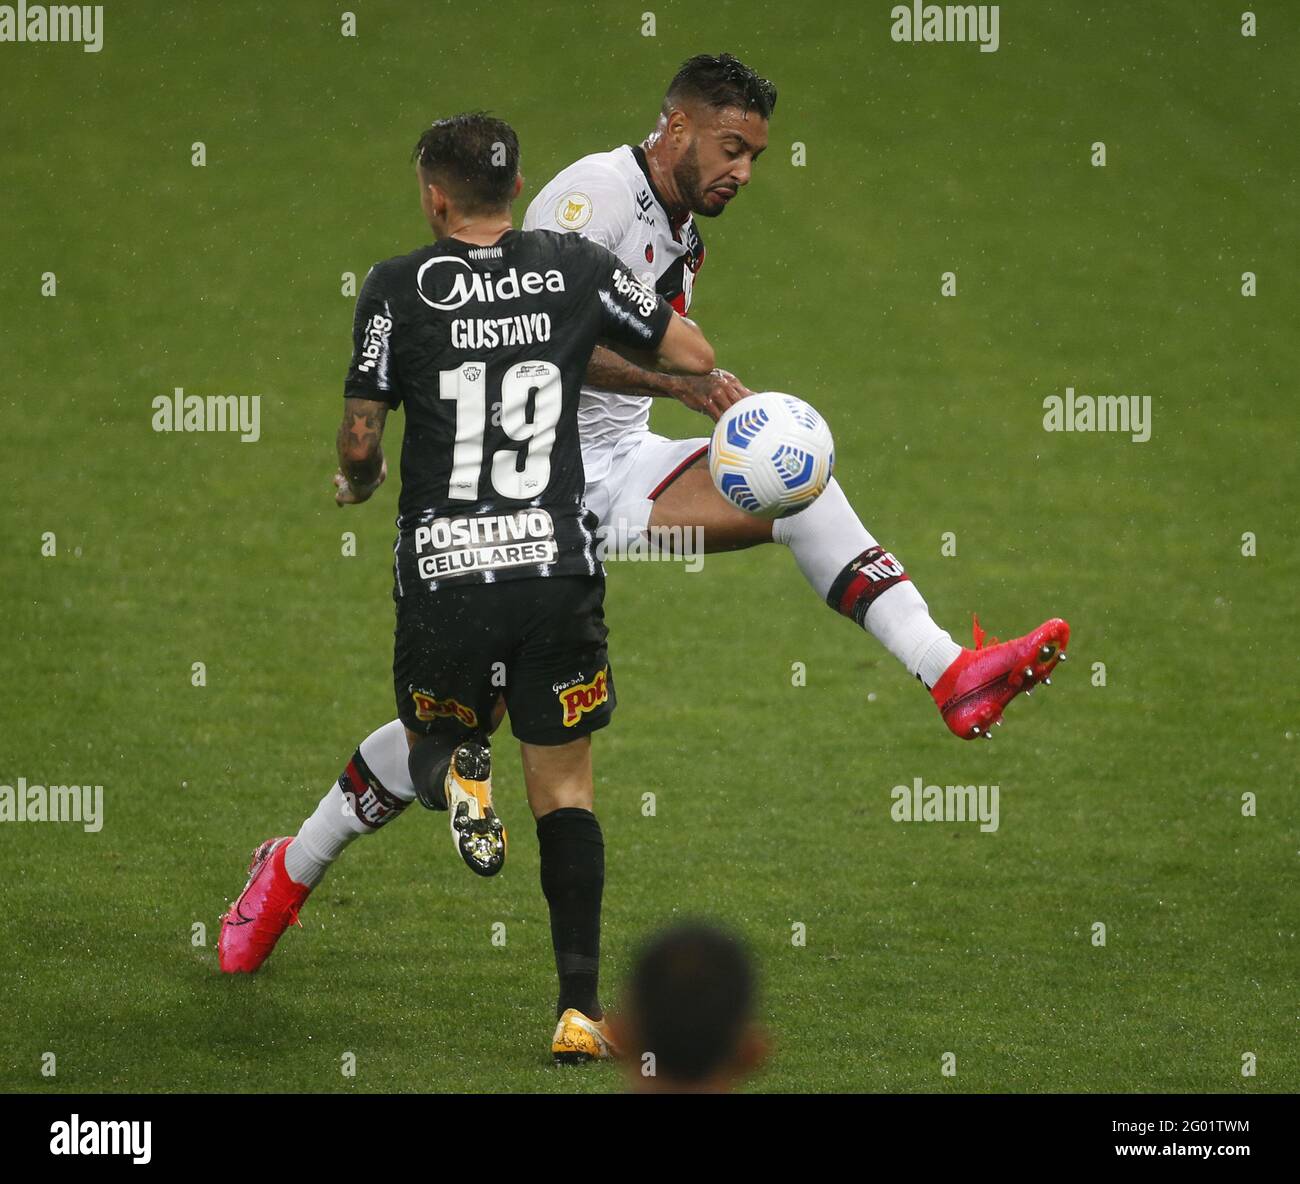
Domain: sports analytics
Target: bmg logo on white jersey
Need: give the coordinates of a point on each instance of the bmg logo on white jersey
(447, 283)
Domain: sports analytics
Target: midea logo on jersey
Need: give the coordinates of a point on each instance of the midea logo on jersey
(467, 284)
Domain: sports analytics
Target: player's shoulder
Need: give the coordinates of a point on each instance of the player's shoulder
(386, 271)
(399, 276)
(596, 187)
(613, 169)
(561, 249)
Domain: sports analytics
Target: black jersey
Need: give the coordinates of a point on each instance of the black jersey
(486, 347)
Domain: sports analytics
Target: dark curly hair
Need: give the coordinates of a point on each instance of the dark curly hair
(474, 156)
(721, 81)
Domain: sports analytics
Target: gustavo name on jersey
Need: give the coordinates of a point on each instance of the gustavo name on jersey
(454, 546)
(497, 332)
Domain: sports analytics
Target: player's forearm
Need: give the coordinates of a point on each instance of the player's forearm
(359, 442)
(684, 348)
(610, 371)
(683, 355)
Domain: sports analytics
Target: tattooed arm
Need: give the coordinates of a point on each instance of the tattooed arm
(362, 467)
(710, 393)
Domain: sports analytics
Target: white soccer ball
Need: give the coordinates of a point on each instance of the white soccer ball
(771, 455)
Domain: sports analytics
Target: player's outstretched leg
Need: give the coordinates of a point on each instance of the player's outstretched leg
(976, 688)
(837, 555)
(860, 580)
(372, 790)
(971, 687)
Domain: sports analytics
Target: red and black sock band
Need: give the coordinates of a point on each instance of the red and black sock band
(365, 793)
(855, 589)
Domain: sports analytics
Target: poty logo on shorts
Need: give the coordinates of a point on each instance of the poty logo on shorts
(428, 707)
(585, 697)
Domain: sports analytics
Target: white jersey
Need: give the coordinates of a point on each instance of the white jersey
(609, 197)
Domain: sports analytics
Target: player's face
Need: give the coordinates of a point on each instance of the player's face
(720, 158)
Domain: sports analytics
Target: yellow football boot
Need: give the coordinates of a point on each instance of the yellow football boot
(478, 834)
(579, 1039)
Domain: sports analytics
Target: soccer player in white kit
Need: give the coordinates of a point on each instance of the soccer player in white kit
(641, 203)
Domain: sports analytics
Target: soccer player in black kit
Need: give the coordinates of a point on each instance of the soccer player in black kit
(484, 338)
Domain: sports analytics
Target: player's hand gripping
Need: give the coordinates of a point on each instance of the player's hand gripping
(710, 394)
(347, 495)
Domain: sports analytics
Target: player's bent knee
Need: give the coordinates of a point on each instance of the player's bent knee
(546, 801)
(429, 759)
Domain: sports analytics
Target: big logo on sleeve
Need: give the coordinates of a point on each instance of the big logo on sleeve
(635, 291)
(375, 351)
(585, 697)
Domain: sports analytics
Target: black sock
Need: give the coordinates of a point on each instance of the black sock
(428, 763)
(573, 877)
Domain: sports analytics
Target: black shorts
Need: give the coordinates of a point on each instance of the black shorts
(538, 642)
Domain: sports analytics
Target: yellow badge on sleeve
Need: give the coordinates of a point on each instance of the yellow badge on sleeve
(573, 211)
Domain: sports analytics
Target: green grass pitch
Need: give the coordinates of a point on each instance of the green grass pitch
(1120, 804)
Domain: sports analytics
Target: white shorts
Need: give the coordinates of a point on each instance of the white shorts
(642, 467)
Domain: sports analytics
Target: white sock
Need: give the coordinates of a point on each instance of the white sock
(386, 751)
(335, 822)
(824, 539)
(900, 620)
(323, 836)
